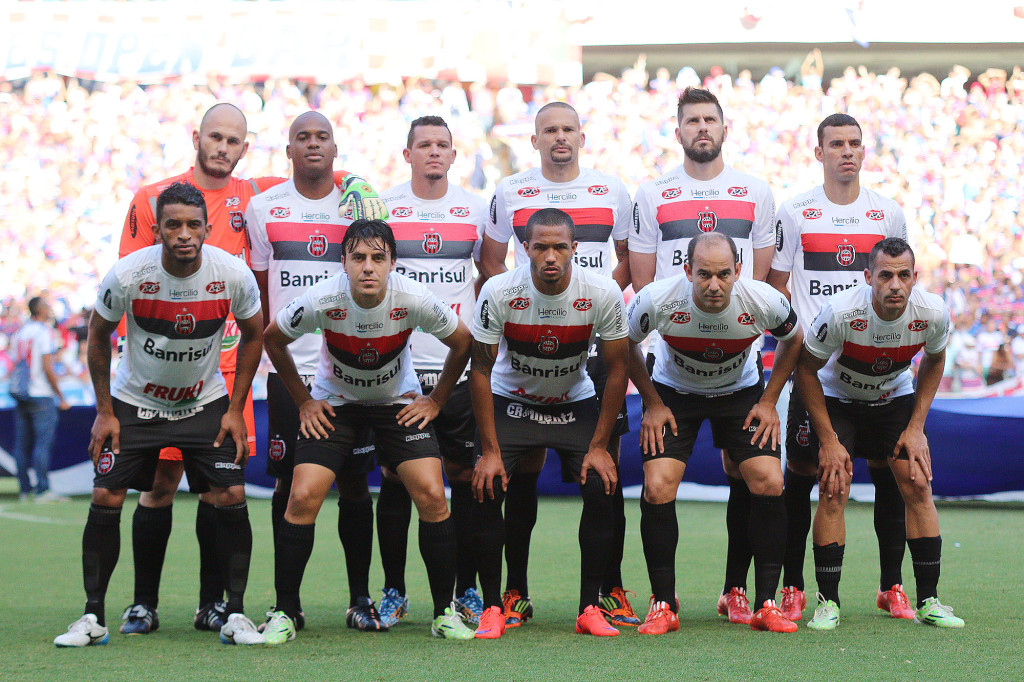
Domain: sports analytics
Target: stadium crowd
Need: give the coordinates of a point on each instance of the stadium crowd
(72, 154)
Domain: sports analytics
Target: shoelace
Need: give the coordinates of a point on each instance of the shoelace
(943, 609)
(900, 598)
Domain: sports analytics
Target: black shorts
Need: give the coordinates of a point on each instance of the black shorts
(283, 432)
(726, 412)
(343, 451)
(598, 372)
(455, 425)
(567, 429)
(870, 430)
(143, 434)
(801, 441)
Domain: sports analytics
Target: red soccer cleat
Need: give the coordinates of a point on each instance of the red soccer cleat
(770, 618)
(794, 602)
(735, 605)
(592, 622)
(660, 619)
(895, 602)
(492, 624)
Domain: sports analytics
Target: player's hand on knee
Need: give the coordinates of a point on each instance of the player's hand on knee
(768, 425)
(652, 429)
(359, 197)
(916, 445)
(423, 408)
(234, 423)
(835, 469)
(602, 463)
(314, 421)
(486, 470)
(103, 427)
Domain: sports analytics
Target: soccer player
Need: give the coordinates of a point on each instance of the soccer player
(177, 296)
(822, 241)
(706, 368)
(532, 332)
(437, 229)
(220, 144)
(855, 383)
(365, 379)
(705, 195)
(296, 242)
(599, 206)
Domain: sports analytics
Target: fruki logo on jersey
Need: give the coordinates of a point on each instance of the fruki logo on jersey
(432, 242)
(673, 193)
(845, 254)
(529, 191)
(231, 335)
(598, 190)
(231, 202)
(317, 245)
(737, 191)
(280, 212)
(707, 221)
(459, 211)
(185, 324)
(812, 213)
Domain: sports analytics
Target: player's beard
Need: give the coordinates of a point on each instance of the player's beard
(704, 154)
(213, 172)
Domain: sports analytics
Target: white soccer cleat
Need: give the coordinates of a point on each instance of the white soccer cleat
(86, 631)
(240, 630)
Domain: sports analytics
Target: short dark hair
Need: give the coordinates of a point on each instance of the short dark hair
(376, 233)
(711, 237)
(33, 305)
(556, 105)
(426, 121)
(693, 95)
(892, 247)
(183, 193)
(549, 217)
(835, 121)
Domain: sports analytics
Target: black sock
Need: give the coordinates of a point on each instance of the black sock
(926, 553)
(101, 546)
(355, 530)
(520, 518)
(659, 531)
(394, 511)
(767, 533)
(737, 522)
(437, 547)
(294, 546)
(279, 503)
(798, 524)
(211, 578)
(890, 527)
(828, 569)
(462, 517)
(151, 527)
(488, 541)
(234, 550)
(597, 528)
(613, 569)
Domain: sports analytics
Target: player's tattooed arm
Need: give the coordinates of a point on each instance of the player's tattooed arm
(484, 355)
(621, 273)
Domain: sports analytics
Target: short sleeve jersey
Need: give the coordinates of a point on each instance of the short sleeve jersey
(543, 340)
(868, 358)
(365, 356)
(825, 246)
(705, 353)
(175, 325)
(31, 342)
(437, 242)
(675, 208)
(297, 241)
(598, 203)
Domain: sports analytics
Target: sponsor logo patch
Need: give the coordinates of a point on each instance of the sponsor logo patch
(519, 303)
(401, 212)
(812, 213)
(582, 304)
(917, 326)
(336, 313)
(679, 317)
(317, 245)
(399, 313)
(280, 212)
(745, 318)
(149, 287)
(672, 193)
(599, 190)
(529, 191)
(185, 324)
(459, 211)
(275, 451)
(431, 242)
(105, 462)
(215, 287)
(875, 215)
(737, 191)
(859, 325)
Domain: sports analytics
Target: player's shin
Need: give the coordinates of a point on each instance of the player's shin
(394, 511)
(437, 547)
(355, 530)
(211, 578)
(659, 531)
(489, 539)
(462, 516)
(737, 520)
(101, 546)
(595, 535)
(767, 534)
(294, 547)
(234, 544)
(151, 528)
(890, 527)
(797, 495)
(520, 518)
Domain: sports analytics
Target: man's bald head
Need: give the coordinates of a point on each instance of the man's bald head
(224, 113)
(220, 144)
(311, 148)
(309, 120)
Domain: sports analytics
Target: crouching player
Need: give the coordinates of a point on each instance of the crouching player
(708, 321)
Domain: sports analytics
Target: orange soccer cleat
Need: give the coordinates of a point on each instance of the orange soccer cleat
(895, 602)
(592, 622)
(492, 624)
(660, 619)
(794, 602)
(770, 618)
(735, 605)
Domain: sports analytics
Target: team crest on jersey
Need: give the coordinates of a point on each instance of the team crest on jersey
(432, 242)
(519, 303)
(215, 287)
(598, 190)
(236, 220)
(706, 221)
(401, 212)
(105, 462)
(858, 325)
(875, 214)
(280, 212)
(529, 191)
(812, 213)
(548, 344)
(275, 451)
(917, 326)
(679, 317)
(713, 353)
(803, 435)
(368, 357)
(149, 287)
(882, 365)
(846, 254)
(745, 318)
(317, 245)
(737, 191)
(231, 202)
(459, 211)
(582, 304)
(336, 313)
(672, 193)
(399, 313)
(185, 323)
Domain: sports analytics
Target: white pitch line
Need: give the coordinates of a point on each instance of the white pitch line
(29, 518)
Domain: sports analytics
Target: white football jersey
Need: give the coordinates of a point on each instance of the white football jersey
(437, 242)
(868, 358)
(543, 340)
(675, 208)
(599, 205)
(365, 356)
(705, 353)
(175, 325)
(297, 241)
(825, 246)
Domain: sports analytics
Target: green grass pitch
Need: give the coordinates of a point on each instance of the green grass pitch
(982, 575)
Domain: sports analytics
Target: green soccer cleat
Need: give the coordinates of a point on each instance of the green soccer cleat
(826, 616)
(451, 625)
(933, 612)
(279, 628)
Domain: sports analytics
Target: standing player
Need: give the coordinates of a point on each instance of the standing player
(599, 206)
(365, 379)
(822, 241)
(706, 368)
(705, 195)
(437, 229)
(176, 297)
(531, 337)
(220, 144)
(863, 342)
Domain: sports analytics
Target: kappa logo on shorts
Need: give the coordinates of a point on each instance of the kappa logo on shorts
(917, 326)
(149, 287)
(882, 365)
(529, 191)
(280, 212)
(672, 193)
(858, 325)
(105, 463)
(228, 465)
(845, 254)
(598, 190)
(812, 213)
(185, 324)
(737, 191)
(432, 242)
(215, 287)
(803, 434)
(317, 245)
(417, 436)
(276, 450)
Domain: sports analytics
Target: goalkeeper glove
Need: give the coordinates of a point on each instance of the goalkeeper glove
(360, 199)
